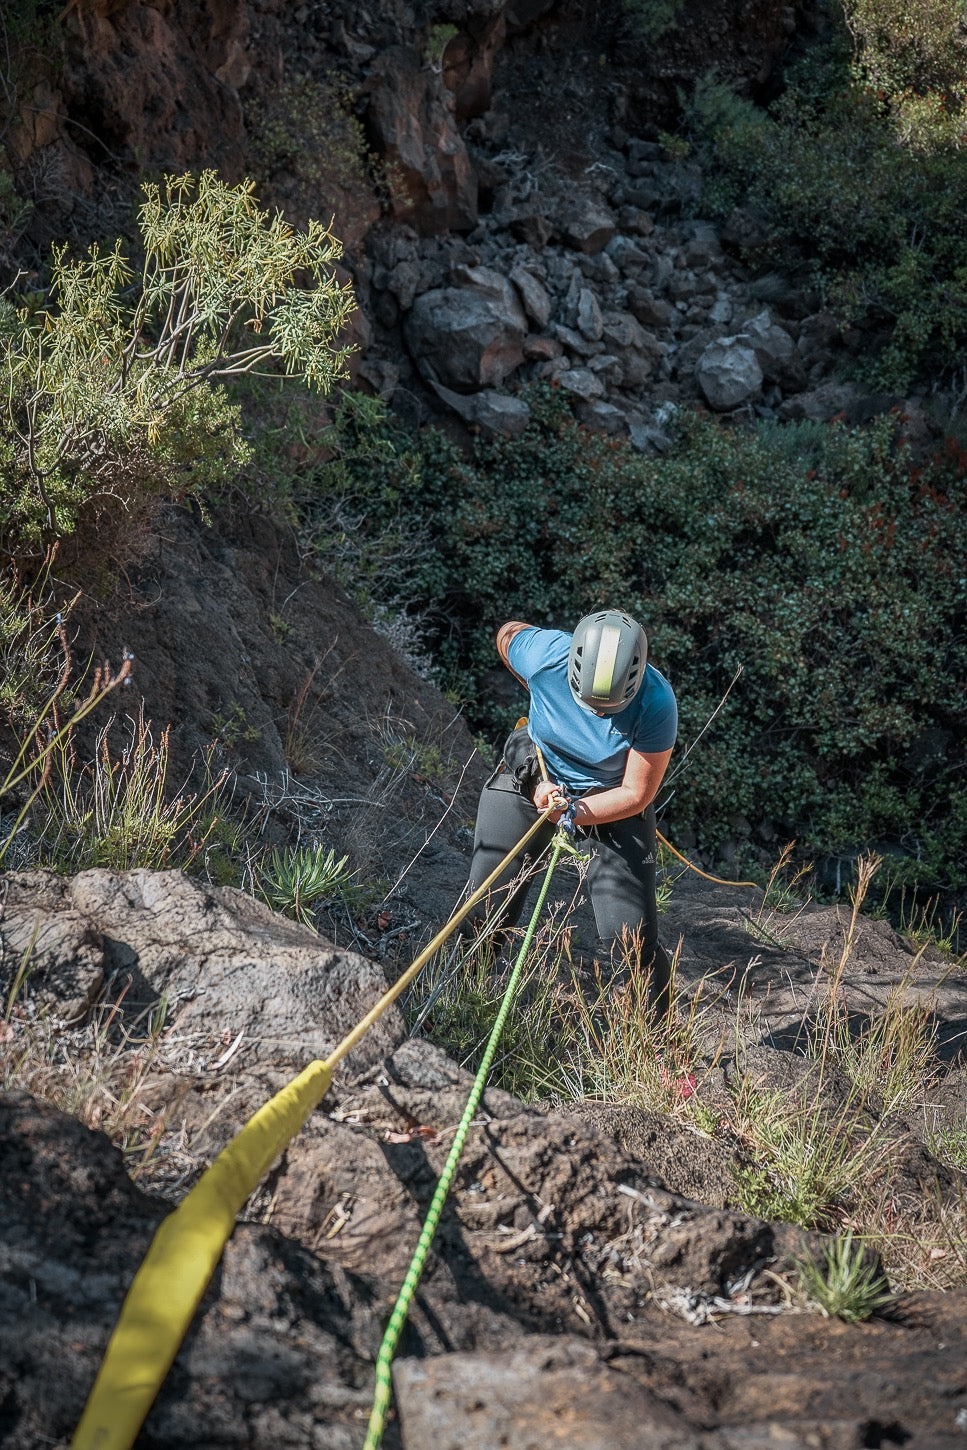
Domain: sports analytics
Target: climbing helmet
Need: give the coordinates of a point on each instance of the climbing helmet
(606, 661)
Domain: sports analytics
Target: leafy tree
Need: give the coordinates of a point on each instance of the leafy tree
(114, 385)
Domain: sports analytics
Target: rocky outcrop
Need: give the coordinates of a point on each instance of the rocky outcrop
(159, 83)
(533, 227)
(414, 131)
(567, 1284)
(214, 966)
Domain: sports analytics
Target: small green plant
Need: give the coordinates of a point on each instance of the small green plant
(296, 880)
(309, 150)
(652, 19)
(784, 899)
(949, 1144)
(280, 627)
(117, 810)
(677, 148)
(34, 649)
(803, 1160)
(115, 385)
(50, 739)
(437, 41)
(232, 728)
(414, 756)
(923, 921)
(890, 1057)
(848, 1283)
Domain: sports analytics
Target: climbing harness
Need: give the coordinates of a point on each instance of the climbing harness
(181, 1259)
(397, 1319)
(567, 822)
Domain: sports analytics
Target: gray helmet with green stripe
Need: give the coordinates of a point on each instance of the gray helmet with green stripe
(606, 663)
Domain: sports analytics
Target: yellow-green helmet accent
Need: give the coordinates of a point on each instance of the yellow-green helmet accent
(606, 661)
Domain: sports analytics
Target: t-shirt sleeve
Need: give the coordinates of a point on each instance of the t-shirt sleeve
(658, 727)
(530, 649)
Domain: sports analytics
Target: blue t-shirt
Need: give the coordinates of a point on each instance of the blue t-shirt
(583, 750)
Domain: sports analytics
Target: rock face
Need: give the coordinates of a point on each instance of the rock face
(199, 958)
(589, 1268)
(533, 228)
(565, 1285)
(413, 127)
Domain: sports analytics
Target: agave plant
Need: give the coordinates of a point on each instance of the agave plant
(294, 880)
(849, 1283)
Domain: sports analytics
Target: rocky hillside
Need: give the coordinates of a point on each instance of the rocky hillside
(592, 1267)
(496, 174)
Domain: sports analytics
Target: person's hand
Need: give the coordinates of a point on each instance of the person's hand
(547, 793)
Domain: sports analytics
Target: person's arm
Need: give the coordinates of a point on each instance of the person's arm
(638, 788)
(505, 634)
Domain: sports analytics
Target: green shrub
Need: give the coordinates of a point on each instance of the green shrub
(309, 151)
(816, 560)
(114, 386)
(913, 53)
(358, 509)
(650, 20)
(864, 188)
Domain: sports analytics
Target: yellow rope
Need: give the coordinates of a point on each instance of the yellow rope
(176, 1270)
(165, 1293)
(704, 874)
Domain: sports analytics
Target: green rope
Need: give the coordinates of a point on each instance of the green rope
(384, 1359)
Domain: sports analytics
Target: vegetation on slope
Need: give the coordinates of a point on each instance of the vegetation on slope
(812, 577)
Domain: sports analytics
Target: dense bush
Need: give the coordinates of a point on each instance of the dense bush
(817, 560)
(859, 172)
(113, 385)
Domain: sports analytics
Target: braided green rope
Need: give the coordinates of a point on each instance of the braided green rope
(384, 1359)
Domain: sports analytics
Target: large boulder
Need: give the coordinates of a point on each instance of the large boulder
(468, 336)
(776, 352)
(728, 373)
(495, 414)
(232, 982)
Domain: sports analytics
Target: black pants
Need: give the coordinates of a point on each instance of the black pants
(621, 875)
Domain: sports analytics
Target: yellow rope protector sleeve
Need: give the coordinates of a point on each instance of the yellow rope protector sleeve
(185, 1251)
(179, 1264)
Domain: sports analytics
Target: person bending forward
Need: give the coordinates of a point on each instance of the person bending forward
(605, 721)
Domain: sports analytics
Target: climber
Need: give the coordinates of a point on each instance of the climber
(604, 722)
